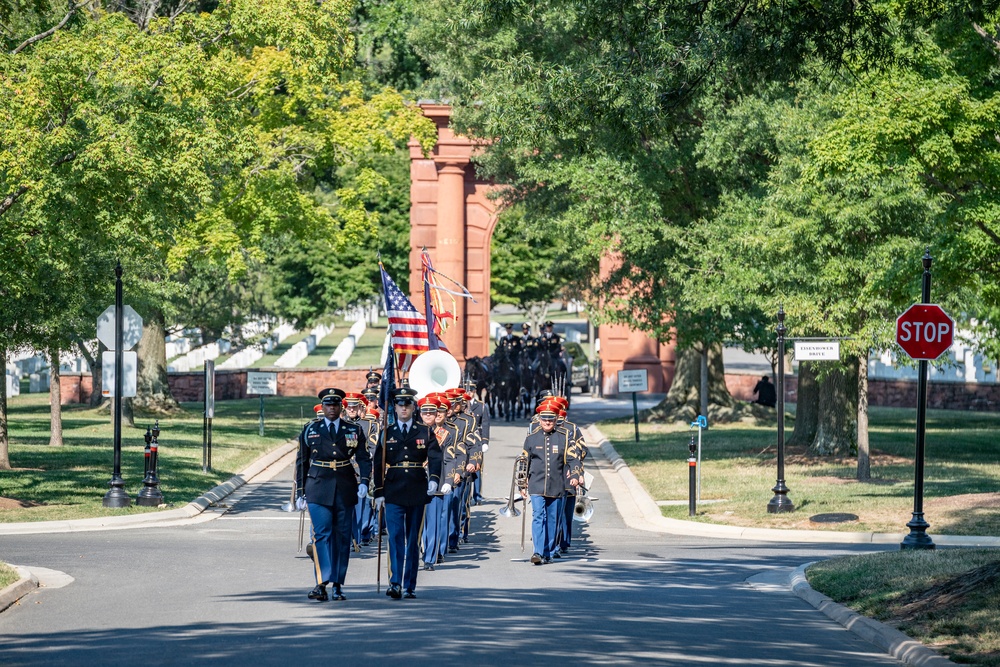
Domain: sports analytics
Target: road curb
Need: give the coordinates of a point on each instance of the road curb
(892, 641)
(640, 511)
(17, 590)
(191, 510)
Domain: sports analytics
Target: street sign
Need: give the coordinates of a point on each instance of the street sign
(264, 384)
(130, 366)
(817, 351)
(633, 381)
(131, 327)
(925, 331)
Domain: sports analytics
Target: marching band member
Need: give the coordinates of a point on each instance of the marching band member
(355, 405)
(327, 484)
(403, 485)
(435, 534)
(473, 447)
(478, 410)
(552, 463)
(569, 500)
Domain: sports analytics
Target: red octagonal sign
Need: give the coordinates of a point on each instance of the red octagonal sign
(925, 331)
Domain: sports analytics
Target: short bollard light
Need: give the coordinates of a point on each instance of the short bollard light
(150, 496)
(692, 477)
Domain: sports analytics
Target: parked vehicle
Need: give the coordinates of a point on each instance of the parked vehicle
(580, 374)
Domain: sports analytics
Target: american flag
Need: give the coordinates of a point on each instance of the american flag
(408, 326)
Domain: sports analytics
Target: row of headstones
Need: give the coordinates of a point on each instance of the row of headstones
(252, 353)
(959, 364)
(193, 358)
(346, 347)
(296, 353)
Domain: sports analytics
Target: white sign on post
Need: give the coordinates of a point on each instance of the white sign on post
(130, 366)
(633, 381)
(817, 351)
(131, 327)
(264, 384)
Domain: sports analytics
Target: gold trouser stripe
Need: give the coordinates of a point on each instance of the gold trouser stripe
(315, 554)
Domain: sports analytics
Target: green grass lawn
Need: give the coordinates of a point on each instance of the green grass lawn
(962, 473)
(320, 355)
(273, 355)
(69, 482)
(945, 598)
(8, 576)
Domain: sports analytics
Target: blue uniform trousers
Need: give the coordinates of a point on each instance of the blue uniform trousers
(566, 534)
(363, 520)
(477, 488)
(403, 524)
(545, 513)
(465, 507)
(331, 541)
(435, 528)
(454, 514)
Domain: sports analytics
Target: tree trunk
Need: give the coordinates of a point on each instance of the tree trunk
(55, 399)
(153, 391)
(864, 460)
(806, 407)
(683, 401)
(837, 427)
(4, 443)
(96, 396)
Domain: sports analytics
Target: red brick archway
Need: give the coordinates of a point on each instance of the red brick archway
(452, 216)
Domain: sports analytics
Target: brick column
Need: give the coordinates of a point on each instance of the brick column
(450, 246)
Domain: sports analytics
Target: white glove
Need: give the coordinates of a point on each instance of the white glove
(378, 503)
(432, 486)
(486, 447)
(362, 490)
(446, 488)
(300, 503)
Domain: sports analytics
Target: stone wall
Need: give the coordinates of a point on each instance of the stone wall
(232, 384)
(892, 393)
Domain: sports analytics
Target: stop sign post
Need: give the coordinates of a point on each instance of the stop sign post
(924, 332)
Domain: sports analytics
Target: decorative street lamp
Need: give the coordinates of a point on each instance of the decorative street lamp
(781, 502)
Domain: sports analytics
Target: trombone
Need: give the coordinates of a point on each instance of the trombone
(518, 482)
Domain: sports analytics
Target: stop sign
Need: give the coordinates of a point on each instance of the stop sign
(925, 331)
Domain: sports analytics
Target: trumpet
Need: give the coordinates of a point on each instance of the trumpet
(583, 509)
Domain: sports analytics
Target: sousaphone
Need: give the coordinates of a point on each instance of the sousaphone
(435, 370)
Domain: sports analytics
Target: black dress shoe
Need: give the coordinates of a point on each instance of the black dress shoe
(395, 591)
(337, 593)
(556, 554)
(547, 560)
(440, 560)
(453, 550)
(410, 595)
(319, 594)
(536, 559)
(429, 567)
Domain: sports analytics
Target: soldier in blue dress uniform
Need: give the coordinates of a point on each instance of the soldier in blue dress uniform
(355, 405)
(407, 473)
(435, 530)
(326, 480)
(553, 463)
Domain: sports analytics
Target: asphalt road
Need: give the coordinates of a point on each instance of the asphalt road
(232, 591)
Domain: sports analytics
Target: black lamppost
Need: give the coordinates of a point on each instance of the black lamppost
(781, 502)
(116, 496)
(918, 537)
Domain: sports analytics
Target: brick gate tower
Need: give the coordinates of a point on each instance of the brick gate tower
(452, 216)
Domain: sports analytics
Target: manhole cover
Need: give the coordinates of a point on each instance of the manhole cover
(833, 517)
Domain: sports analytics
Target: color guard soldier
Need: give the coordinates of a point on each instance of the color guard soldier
(552, 464)
(329, 449)
(373, 380)
(407, 471)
